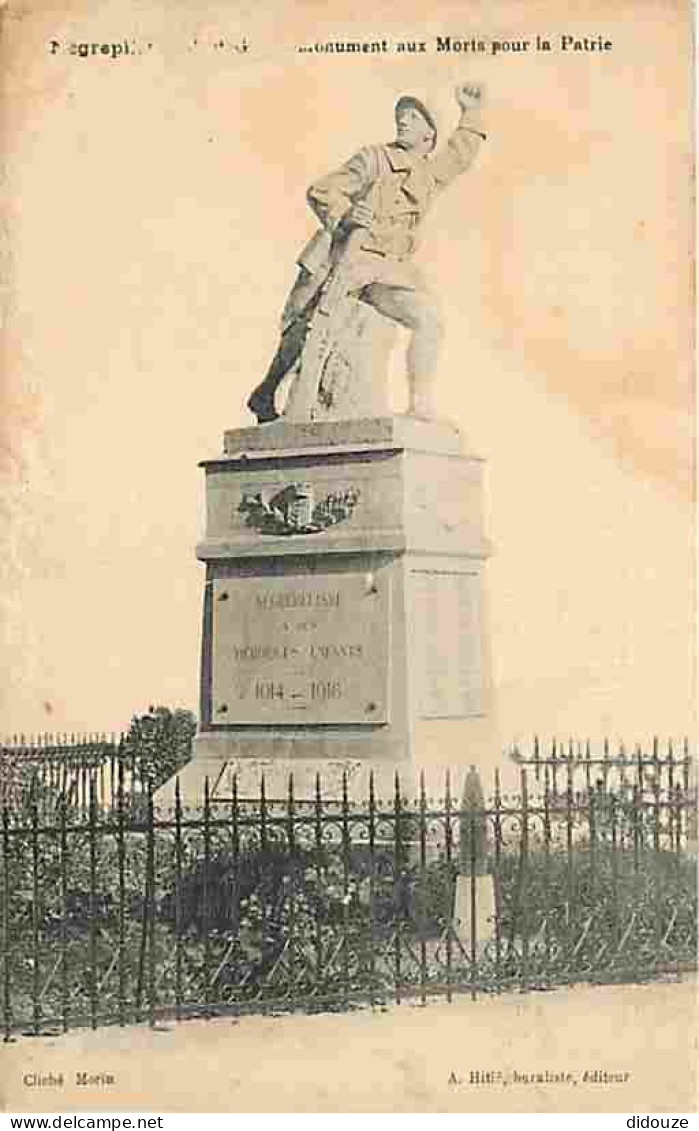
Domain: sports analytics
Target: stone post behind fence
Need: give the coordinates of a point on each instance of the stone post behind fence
(474, 898)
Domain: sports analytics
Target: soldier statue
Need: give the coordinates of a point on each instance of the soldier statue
(370, 210)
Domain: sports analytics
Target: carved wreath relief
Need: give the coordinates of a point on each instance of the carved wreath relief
(294, 510)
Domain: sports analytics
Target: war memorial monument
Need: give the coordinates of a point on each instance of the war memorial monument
(344, 628)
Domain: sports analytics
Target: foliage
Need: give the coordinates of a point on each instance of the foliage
(17, 783)
(159, 743)
(109, 911)
(588, 901)
(36, 776)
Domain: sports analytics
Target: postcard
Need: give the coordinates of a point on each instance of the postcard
(184, 188)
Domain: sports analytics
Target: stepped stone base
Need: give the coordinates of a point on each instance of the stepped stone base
(344, 622)
(331, 773)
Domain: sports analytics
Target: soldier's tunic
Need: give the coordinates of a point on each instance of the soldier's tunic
(400, 187)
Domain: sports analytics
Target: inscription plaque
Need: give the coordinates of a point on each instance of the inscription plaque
(301, 649)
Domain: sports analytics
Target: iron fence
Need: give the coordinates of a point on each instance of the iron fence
(68, 769)
(115, 915)
(607, 769)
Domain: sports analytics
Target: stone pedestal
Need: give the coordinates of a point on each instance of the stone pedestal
(343, 612)
(348, 387)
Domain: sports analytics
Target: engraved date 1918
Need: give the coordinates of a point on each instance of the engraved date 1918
(316, 690)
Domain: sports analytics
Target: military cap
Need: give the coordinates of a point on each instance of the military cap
(409, 102)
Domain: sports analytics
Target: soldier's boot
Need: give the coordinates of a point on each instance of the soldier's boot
(261, 400)
(261, 403)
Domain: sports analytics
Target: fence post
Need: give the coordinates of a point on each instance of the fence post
(207, 898)
(547, 865)
(523, 881)
(121, 864)
(670, 792)
(615, 873)
(318, 827)
(689, 786)
(554, 763)
(92, 831)
(143, 955)
(178, 895)
(397, 889)
(476, 865)
(423, 890)
(592, 817)
(34, 811)
(569, 859)
(606, 763)
(291, 840)
(497, 824)
(676, 807)
(102, 791)
(63, 856)
(264, 864)
(6, 971)
(638, 829)
(588, 768)
(345, 890)
(448, 852)
(372, 887)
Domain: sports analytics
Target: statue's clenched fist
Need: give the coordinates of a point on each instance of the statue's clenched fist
(469, 95)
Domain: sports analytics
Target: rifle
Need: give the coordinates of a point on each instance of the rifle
(325, 322)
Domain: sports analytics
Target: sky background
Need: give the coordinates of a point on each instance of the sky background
(154, 207)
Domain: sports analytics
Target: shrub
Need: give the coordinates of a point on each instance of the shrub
(159, 743)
